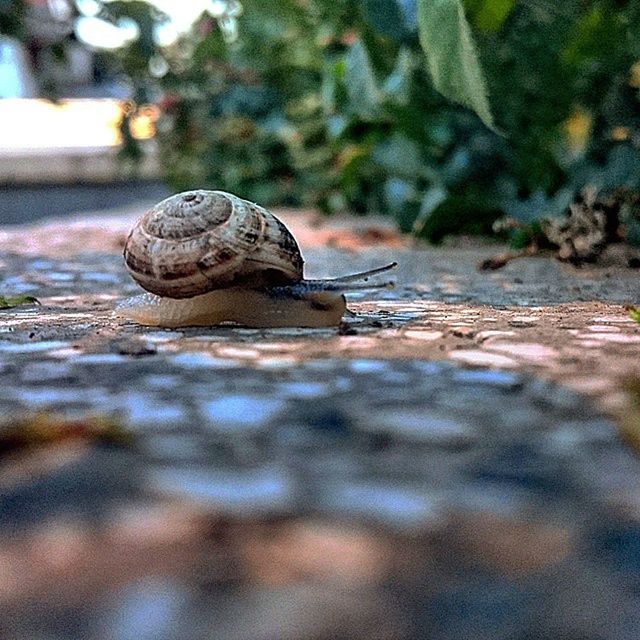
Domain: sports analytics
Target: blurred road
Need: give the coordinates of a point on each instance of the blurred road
(428, 472)
(28, 203)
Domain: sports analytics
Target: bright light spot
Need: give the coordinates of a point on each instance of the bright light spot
(229, 28)
(71, 124)
(15, 77)
(104, 35)
(234, 8)
(182, 14)
(88, 8)
(217, 8)
(158, 67)
(60, 10)
(165, 34)
(143, 124)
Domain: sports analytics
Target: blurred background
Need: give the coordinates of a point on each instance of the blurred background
(326, 486)
(340, 105)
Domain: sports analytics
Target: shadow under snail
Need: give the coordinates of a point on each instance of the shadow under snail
(208, 257)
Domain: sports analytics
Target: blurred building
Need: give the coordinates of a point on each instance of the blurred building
(63, 156)
(50, 60)
(16, 74)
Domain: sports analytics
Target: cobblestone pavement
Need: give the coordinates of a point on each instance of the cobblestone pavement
(446, 466)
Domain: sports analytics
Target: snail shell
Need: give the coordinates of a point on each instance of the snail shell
(207, 257)
(198, 241)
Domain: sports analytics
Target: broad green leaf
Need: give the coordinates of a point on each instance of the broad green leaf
(457, 166)
(328, 91)
(385, 16)
(360, 82)
(538, 206)
(621, 169)
(583, 41)
(398, 84)
(336, 126)
(8, 302)
(432, 199)
(451, 54)
(397, 193)
(399, 156)
(488, 15)
(402, 200)
(632, 230)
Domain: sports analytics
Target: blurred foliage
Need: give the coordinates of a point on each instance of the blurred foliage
(453, 62)
(352, 105)
(9, 302)
(12, 15)
(49, 429)
(328, 104)
(630, 418)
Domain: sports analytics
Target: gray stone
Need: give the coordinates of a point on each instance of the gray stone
(31, 347)
(146, 410)
(398, 506)
(47, 371)
(57, 276)
(421, 425)
(501, 379)
(100, 358)
(242, 412)
(44, 396)
(368, 366)
(260, 490)
(146, 610)
(195, 360)
(303, 389)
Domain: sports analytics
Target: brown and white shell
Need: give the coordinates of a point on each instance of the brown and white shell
(198, 241)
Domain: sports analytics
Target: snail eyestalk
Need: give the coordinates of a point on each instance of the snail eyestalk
(363, 275)
(355, 281)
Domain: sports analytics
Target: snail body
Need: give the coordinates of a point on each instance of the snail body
(248, 307)
(208, 257)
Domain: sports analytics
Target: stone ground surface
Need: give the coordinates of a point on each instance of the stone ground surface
(448, 465)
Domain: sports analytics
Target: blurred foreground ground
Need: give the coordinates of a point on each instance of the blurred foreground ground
(447, 466)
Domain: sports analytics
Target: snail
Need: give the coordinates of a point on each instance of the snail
(208, 257)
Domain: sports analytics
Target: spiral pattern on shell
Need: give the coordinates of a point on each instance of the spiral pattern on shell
(198, 241)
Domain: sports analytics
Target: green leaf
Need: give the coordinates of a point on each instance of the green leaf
(457, 166)
(622, 167)
(328, 91)
(8, 302)
(432, 199)
(360, 83)
(397, 193)
(488, 15)
(400, 156)
(398, 84)
(451, 54)
(538, 206)
(632, 233)
(385, 16)
(584, 39)
(634, 314)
